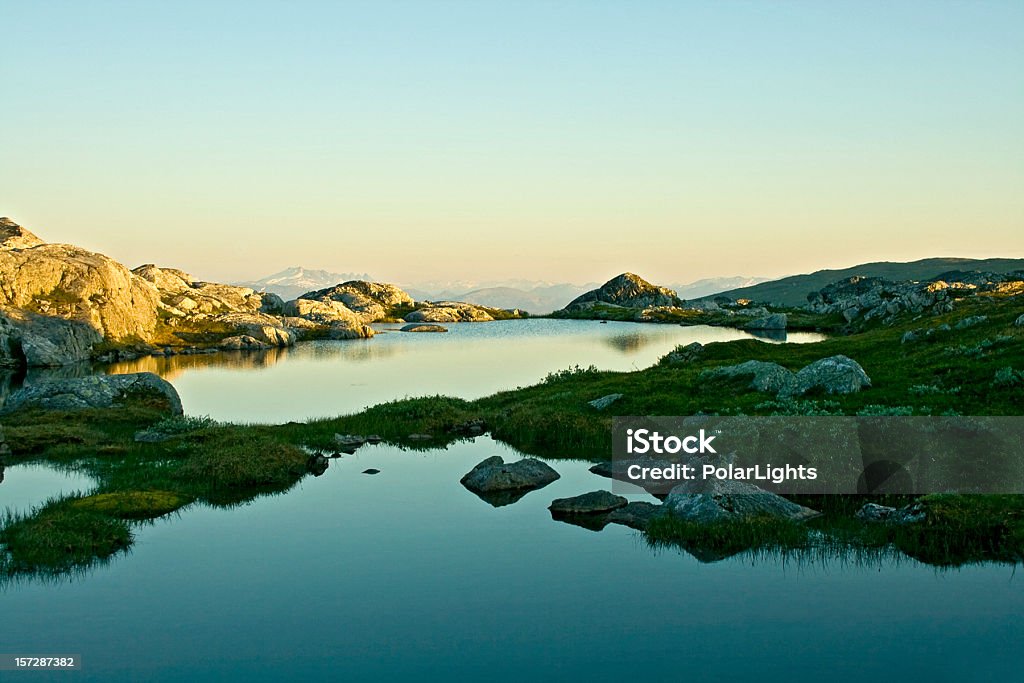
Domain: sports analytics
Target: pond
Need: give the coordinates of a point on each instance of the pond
(406, 575)
(471, 360)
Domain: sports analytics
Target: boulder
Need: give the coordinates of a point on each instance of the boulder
(592, 503)
(834, 375)
(97, 391)
(909, 337)
(422, 327)
(970, 321)
(1020, 321)
(493, 474)
(629, 291)
(683, 354)
(775, 321)
(604, 401)
(448, 312)
(636, 515)
(243, 342)
(714, 500)
(770, 378)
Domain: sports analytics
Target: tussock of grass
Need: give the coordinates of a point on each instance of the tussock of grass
(59, 536)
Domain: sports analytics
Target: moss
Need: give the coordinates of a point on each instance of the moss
(133, 504)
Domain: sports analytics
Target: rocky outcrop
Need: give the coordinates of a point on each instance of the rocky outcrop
(772, 322)
(97, 391)
(13, 236)
(713, 500)
(833, 375)
(336, 317)
(448, 312)
(70, 283)
(683, 354)
(628, 291)
(870, 298)
(371, 301)
(493, 474)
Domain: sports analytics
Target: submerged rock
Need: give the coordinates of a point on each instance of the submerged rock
(595, 502)
(421, 327)
(97, 391)
(716, 500)
(493, 474)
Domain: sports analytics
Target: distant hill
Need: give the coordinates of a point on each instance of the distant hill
(793, 290)
(294, 281)
(714, 285)
(538, 300)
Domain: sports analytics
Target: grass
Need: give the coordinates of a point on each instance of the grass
(223, 464)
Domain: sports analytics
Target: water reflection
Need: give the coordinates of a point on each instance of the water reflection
(328, 378)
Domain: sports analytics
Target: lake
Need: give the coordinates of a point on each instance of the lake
(406, 575)
(471, 360)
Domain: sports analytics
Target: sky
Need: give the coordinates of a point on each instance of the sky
(557, 140)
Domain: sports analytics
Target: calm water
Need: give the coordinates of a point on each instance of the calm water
(324, 379)
(407, 576)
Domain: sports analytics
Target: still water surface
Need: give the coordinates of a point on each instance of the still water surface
(407, 576)
(329, 378)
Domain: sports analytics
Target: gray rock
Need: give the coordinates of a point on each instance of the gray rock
(33, 340)
(875, 513)
(1020, 321)
(970, 321)
(716, 500)
(97, 391)
(834, 375)
(683, 354)
(909, 337)
(770, 378)
(635, 515)
(422, 327)
(604, 401)
(775, 321)
(591, 503)
(493, 474)
(370, 301)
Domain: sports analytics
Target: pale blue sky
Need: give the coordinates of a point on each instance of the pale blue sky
(553, 140)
